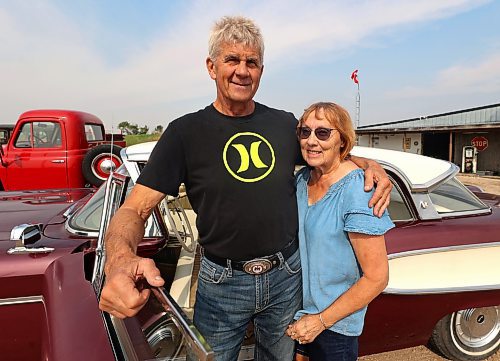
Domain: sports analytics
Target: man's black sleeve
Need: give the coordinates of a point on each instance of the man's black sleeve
(166, 167)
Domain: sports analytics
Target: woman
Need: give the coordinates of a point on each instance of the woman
(342, 247)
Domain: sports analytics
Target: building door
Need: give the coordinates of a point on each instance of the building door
(436, 145)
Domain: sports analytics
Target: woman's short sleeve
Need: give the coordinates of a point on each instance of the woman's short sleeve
(358, 217)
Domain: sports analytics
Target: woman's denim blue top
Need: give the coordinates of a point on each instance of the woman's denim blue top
(329, 265)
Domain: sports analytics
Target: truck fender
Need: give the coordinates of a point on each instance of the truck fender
(99, 162)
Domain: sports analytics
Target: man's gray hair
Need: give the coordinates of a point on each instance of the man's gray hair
(235, 30)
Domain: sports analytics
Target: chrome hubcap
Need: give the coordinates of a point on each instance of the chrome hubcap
(165, 340)
(477, 327)
(107, 166)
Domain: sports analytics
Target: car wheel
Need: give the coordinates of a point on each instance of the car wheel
(165, 339)
(467, 335)
(99, 162)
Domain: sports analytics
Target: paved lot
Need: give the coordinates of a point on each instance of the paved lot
(421, 353)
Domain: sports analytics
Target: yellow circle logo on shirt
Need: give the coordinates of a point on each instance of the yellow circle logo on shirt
(248, 157)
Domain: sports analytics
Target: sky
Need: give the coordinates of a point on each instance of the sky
(143, 61)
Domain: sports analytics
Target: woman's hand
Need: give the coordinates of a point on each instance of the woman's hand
(305, 329)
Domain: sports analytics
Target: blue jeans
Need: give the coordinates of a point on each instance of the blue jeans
(227, 300)
(331, 346)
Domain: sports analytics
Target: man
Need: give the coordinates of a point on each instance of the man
(236, 158)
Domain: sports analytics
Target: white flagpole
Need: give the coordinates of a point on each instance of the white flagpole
(358, 107)
(354, 77)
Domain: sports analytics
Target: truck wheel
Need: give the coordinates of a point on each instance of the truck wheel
(467, 335)
(99, 162)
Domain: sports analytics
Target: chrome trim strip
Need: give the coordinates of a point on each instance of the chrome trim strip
(126, 345)
(436, 182)
(68, 212)
(467, 213)
(116, 186)
(194, 340)
(76, 232)
(441, 249)
(25, 250)
(20, 300)
(430, 291)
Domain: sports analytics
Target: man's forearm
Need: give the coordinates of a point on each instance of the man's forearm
(361, 162)
(125, 232)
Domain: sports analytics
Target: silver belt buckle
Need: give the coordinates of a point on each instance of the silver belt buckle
(257, 266)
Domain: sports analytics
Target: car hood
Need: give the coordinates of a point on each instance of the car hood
(35, 207)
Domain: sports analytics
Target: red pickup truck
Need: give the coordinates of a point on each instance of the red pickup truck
(58, 149)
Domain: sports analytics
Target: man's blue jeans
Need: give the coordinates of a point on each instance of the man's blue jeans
(227, 300)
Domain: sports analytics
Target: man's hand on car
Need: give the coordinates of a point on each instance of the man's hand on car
(124, 293)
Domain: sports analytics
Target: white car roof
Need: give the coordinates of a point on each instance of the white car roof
(420, 171)
(138, 152)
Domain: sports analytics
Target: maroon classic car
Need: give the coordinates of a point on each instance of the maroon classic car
(444, 288)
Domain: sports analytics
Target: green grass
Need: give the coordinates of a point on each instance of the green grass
(141, 138)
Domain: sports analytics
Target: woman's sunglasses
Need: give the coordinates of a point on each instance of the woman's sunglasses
(321, 133)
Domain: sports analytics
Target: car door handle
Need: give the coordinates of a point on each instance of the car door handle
(57, 161)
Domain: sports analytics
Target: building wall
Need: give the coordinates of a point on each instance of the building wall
(404, 142)
(488, 159)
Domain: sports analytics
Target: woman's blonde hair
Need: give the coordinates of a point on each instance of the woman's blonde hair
(339, 118)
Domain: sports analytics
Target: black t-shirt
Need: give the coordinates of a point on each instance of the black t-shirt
(239, 177)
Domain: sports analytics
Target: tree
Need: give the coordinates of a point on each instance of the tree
(128, 128)
(159, 129)
(124, 127)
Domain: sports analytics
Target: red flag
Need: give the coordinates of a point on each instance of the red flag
(354, 76)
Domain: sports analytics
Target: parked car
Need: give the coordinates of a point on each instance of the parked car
(443, 256)
(5, 132)
(57, 149)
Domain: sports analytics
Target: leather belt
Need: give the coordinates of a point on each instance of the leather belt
(258, 265)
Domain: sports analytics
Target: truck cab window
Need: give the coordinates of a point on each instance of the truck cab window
(46, 135)
(94, 132)
(24, 138)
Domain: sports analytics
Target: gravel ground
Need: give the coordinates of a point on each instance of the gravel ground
(487, 183)
(421, 353)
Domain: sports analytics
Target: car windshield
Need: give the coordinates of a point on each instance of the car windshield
(452, 196)
(88, 218)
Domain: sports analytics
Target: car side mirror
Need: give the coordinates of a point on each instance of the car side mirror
(26, 235)
(1, 156)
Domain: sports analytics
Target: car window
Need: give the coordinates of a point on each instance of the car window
(398, 207)
(452, 196)
(88, 218)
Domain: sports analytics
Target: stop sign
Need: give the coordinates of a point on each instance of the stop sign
(481, 143)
